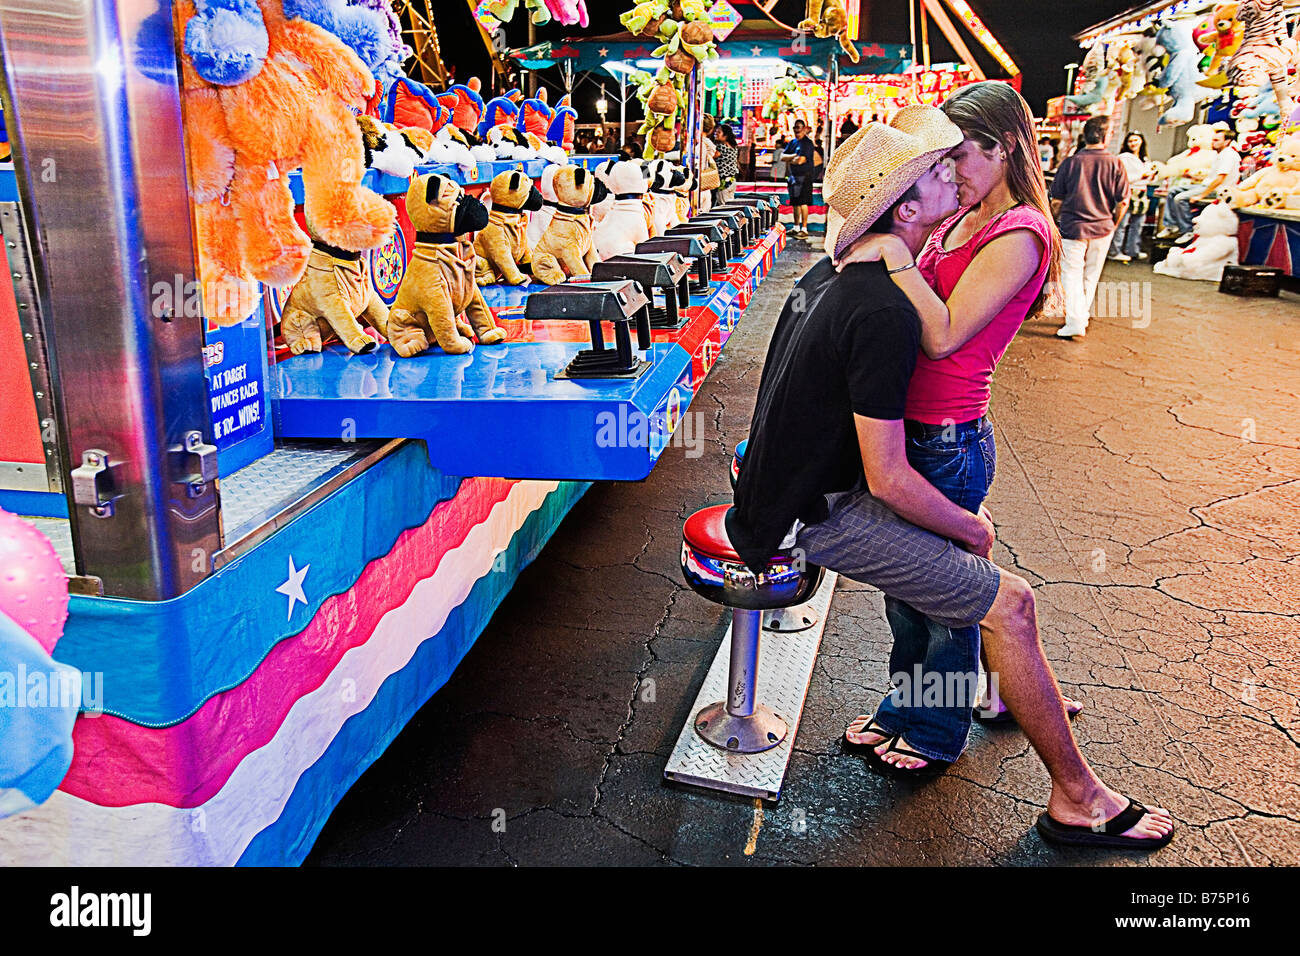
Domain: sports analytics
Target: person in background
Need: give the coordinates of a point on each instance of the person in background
(847, 129)
(1226, 172)
(1089, 194)
(724, 140)
(798, 153)
(1128, 235)
(1045, 153)
(819, 161)
(708, 162)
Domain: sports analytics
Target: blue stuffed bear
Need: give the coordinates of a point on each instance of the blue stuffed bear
(1180, 74)
(226, 41)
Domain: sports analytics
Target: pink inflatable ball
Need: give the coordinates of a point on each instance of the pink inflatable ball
(33, 585)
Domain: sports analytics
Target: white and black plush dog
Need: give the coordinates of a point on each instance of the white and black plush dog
(665, 179)
(601, 209)
(618, 233)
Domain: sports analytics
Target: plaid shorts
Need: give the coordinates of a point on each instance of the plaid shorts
(863, 539)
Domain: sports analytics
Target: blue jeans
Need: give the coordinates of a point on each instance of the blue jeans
(1128, 234)
(1178, 209)
(934, 669)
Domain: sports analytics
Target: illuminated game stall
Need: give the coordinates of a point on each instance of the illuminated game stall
(278, 550)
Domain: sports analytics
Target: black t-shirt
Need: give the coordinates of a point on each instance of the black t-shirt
(799, 147)
(844, 343)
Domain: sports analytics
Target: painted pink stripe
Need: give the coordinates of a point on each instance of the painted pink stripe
(116, 762)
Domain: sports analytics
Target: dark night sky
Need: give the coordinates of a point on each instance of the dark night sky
(1036, 34)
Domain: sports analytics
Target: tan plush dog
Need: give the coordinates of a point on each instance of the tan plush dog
(439, 282)
(826, 18)
(566, 249)
(332, 299)
(502, 247)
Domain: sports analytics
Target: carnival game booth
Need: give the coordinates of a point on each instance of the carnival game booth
(1171, 72)
(275, 559)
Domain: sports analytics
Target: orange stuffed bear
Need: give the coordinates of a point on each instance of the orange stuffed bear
(244, 140)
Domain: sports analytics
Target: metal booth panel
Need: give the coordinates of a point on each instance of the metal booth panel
(91, 95)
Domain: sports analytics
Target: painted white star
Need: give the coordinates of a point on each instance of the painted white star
(603, 51)
(292, 588)
(756, 50)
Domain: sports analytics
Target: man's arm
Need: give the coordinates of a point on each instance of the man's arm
(1214, 184)
(891, 479)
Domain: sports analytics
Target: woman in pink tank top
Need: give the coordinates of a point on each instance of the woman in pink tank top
(980, 274)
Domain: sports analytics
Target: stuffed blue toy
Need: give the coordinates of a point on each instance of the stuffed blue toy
(226, 41)
(363, 31)
(1180, 74)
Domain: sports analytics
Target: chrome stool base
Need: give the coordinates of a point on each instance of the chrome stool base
(761, 730)
(790, 620)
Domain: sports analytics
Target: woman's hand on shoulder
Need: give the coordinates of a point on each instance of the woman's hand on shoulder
(875, 246)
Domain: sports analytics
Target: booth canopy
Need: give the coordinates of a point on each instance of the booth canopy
(753, 38)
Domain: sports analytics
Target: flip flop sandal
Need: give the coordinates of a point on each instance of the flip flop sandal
(878, 763)
(1108, 836)
(849, 747)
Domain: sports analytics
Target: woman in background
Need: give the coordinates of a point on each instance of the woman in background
(728, 160)
(1128, 234)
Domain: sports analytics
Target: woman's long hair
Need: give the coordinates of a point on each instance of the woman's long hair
(1142, 150)
(993, 114)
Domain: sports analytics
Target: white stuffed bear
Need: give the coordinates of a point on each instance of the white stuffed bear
(1196, 162)
(1213, 246)
(618, 233)
(664, 180)
(538, 221)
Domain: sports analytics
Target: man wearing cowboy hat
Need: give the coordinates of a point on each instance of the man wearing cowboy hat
(826, 468)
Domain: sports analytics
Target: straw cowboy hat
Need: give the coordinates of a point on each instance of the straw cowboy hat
(871, 169)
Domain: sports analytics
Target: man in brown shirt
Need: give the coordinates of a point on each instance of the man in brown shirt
(1089, 194)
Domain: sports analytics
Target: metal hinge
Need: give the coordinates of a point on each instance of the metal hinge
(194, 463)
(94, 483)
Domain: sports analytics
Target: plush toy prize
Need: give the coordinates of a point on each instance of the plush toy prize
(502, 245)
(1213, 246)
(439, 285)
(1282, 178)
(624, 226)
(567, 249)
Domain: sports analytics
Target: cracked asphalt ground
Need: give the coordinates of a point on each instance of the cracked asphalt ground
(1148, 485)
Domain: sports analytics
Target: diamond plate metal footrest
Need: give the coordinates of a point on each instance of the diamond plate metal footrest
(785, 668)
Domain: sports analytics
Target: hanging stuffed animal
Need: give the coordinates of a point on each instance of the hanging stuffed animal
(502, 245)
(569, 12)
(1228, 35)
(439, 285)
(566, 249)
(253, 114)
(624, 225)
(828, 18)
(782, 97)
(1180, 75)
(497, 12)
(1266, 51)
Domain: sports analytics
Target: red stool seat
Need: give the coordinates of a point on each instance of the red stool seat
(706, 532)
(713, 568)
